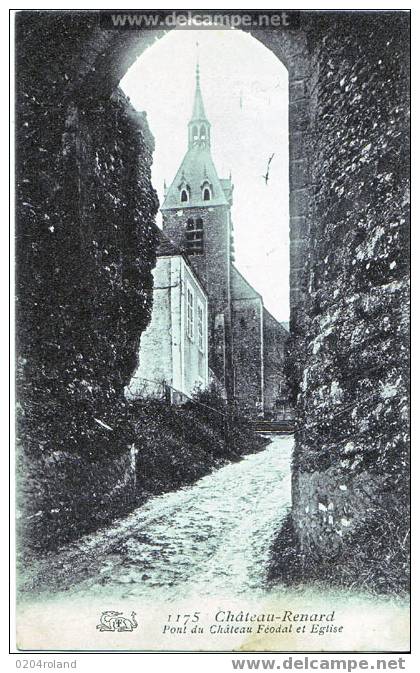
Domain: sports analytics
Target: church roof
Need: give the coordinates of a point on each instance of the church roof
(227, 187)
(166, 247)
(241, 287)
(196, 168)
(279, 323)
(199, 113)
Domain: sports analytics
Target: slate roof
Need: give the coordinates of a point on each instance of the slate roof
(199, 113)
(197, 166)
(227, 187)
(241, 287)
(166, 247)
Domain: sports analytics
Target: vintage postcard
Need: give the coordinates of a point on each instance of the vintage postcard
(212, 330)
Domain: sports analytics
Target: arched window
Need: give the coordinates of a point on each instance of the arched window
(190, 224)
(195, 132)
(184, 195)
(206, 190)
(203, 132)
(199, 223)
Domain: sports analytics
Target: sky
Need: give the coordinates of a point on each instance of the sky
(245, 92)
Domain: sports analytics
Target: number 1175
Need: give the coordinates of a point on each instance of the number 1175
(184, 619)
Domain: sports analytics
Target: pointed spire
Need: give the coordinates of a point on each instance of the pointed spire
(197, 167)
(199, 125)
(198, 108)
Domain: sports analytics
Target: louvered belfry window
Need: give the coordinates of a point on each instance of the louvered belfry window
(194, 236)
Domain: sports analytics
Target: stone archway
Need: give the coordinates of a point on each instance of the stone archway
(348, 98)
(90, 214)
(111, 54)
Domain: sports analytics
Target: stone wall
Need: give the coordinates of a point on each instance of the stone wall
(84, 253)
(248, 355)
(276, 390)
(248, 342)
(85, 248)
(63, 495)
(351, 339)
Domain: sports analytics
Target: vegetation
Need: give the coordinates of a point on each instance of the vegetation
(375, 558)
(64, 494)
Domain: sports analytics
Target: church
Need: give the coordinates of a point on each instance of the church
(208, 323)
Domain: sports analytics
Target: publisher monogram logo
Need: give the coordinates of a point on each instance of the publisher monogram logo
(115, 621)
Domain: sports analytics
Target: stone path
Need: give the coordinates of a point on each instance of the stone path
(210, 537)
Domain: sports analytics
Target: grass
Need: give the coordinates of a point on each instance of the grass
(373, 558)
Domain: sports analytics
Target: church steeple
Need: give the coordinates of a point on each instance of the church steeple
(196, 217)
(196, 183)
(199, 125)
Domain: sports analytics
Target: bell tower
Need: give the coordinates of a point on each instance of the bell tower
(197, 218)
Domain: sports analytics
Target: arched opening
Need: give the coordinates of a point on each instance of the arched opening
(206, 190)
(93, 74)
(203, 133)
(119, 51)
(290, 48)
(250, 101)
(248, 109)
(87, 77)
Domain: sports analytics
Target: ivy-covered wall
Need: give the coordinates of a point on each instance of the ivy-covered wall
(85, 249)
